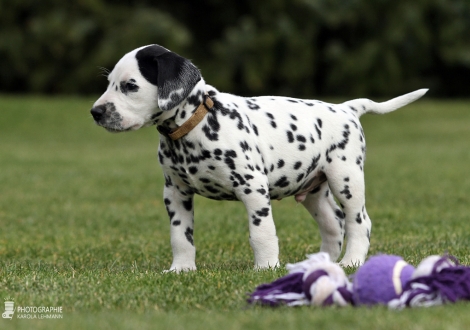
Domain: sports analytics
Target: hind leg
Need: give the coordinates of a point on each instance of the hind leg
(347, 184)
(321, 205)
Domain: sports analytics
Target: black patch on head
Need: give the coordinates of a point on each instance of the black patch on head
(169, 72)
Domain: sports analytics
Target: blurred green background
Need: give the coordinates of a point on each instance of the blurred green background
(303, 48)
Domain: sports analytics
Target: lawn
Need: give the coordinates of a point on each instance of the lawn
(84, 227)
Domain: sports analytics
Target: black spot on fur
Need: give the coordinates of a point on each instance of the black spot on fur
(256, 221)
(346, 192)
(339, 213)
(280, 163)
(189, 235)
(212, 136)
(262, 191)
(282, 182)
(264, 212)
(345, 141)
(318, 131)
(290, 137)
(297, 165)
(252, 105)
(315, 190)
(358, 218)
(320, 123)
(188, 204)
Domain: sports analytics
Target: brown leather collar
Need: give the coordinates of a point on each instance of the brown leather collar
(192, 122)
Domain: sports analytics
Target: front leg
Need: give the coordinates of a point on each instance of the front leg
(263, 239)
(179, 205)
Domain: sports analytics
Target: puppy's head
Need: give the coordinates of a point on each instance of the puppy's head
(143, 84)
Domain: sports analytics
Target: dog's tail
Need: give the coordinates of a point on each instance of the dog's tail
(362, 106)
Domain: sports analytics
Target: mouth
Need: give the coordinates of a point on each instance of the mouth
(115, 130)
(118, 129)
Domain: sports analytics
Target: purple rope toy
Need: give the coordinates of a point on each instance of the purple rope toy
(383, 279)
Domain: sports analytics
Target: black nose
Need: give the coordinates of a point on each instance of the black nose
(98, 112)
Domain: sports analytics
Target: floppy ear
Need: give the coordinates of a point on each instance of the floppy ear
(174, 76)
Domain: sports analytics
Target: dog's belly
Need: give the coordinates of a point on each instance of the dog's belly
(212, 179)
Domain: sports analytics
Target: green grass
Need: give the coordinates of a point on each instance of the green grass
(83, 225)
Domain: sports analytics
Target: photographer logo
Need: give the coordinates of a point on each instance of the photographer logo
(31, 312)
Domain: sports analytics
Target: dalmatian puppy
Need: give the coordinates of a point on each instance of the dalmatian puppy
(252, 150)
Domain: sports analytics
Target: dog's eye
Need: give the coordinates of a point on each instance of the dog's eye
(131, 87)
(128, 87)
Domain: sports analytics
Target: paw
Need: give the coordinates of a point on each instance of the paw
(351, 263)
(267, 264)
(179, 269)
